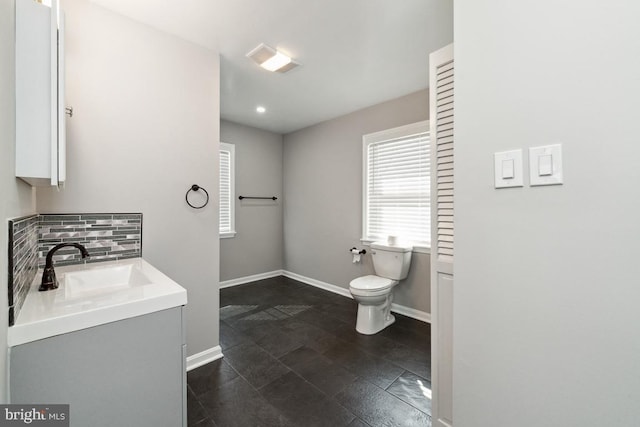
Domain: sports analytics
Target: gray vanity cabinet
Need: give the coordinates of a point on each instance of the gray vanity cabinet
(126, 373)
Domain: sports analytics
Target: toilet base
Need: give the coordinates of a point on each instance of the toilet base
(374, 318)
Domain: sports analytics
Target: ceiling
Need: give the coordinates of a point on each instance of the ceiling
(353, 53)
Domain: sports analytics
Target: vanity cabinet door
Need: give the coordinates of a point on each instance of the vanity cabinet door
(125, 373)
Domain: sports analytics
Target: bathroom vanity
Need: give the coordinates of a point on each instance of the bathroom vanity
(110, 342)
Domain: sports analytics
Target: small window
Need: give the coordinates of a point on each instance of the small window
(396, 199)
(227, 190)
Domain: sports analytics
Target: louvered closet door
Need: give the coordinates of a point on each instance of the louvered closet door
(441, 124)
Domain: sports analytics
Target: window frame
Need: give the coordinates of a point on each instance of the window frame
(231, 149)
(381, 136)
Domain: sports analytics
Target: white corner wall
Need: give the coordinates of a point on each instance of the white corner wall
(547, 279)
(17, 196)
(323, 198)
(145, 128)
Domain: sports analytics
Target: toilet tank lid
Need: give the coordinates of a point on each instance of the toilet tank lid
(384, 246)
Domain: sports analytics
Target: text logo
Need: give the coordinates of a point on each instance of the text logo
(34, 415)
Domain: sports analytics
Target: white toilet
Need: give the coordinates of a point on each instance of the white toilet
(375, 293)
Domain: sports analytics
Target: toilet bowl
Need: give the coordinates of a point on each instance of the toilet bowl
(374, 293)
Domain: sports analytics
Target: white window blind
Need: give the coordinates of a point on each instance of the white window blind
(227, 193)
(397, 184)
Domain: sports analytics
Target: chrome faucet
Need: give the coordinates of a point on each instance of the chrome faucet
(49, 280)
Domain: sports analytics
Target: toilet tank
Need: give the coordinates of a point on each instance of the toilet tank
(391, 261)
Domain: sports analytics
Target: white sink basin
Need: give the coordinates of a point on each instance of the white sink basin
(102, 280)
(94, 294)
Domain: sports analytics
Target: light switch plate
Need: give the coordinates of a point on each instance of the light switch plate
(508, 169)
(545, 165)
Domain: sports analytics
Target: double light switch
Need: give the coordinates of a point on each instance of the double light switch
(545, 167)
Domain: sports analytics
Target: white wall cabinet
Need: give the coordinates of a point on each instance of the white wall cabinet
(40, 109)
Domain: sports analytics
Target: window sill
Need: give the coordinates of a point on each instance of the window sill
(418, 249)
(228, 235)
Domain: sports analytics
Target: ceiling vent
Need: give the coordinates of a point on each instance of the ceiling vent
(271, 59)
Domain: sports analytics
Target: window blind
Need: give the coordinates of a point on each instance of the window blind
(226, 188)
(397, 193)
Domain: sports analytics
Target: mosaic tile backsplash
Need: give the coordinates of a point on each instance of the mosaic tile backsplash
(107, 237)
(23, 261)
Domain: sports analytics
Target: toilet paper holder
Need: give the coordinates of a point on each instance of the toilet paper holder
(360, 252)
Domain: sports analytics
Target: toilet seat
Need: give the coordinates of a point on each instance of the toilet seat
(371, 283)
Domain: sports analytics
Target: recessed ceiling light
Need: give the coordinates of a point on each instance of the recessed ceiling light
(260, 109)
(271, 59)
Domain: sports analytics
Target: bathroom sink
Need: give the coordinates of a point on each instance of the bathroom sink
(94, 294)
(101, 280)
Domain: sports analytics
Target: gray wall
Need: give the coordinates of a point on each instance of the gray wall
(546, 279)
(17, 197)
(258, 245)
(323, 197)
(146, 127)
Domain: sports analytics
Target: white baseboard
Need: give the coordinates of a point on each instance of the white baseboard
(396, 308)
(204, 357)
(423, 316)
(318, 284)
(248, 279)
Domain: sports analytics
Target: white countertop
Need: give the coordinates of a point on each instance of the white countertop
(60, 311)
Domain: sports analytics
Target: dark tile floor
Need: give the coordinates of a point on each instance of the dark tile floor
(292, 357)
